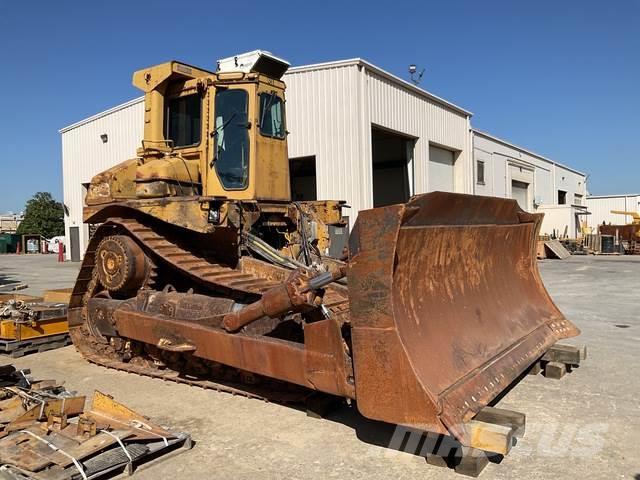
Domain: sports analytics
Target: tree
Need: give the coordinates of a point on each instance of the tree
(43, 216)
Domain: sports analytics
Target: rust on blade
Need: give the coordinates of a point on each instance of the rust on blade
(447, 308)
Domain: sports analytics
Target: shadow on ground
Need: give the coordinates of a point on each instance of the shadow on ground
(7, 279)
(434, 448)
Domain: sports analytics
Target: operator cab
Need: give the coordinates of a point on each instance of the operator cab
(219, 134)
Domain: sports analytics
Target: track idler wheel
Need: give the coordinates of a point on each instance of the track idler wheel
(122, 265)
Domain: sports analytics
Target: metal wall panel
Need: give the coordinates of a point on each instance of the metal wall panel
(549, 176)
(331, 110)
(570, 182)
(601, 206)
(84, 155)
(324, 118)
(395, 106)
(544, 193)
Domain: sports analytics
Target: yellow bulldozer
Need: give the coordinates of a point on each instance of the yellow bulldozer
(203, 270)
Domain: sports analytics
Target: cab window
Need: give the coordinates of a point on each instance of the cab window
(231, 138)
(184, 120)
(271, 116)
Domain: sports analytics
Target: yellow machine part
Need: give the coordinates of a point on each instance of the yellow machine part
(4, 297)
(58, 295)
(10, 330)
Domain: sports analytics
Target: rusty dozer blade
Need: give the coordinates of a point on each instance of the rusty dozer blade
(447, 307)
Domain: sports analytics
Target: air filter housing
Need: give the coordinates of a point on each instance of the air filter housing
(258, 61)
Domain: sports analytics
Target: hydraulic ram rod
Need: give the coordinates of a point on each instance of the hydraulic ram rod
(299, 292)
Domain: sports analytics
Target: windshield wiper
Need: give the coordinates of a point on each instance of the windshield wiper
(215, 133)
(272, 98)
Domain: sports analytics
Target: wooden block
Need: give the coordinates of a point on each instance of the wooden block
(435, 460)
(535, 369)
(507, 418)
(437, 449)
(565, 354)
(541, 252)
(489, 437)
(583, 352)
(472, 462)
(555, 370)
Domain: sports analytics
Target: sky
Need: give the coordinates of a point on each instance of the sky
(561, 78)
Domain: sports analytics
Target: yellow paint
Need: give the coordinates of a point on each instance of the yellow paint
(489, 437)
(4, 297)
(160, 162)
(106, 408)
(634, 215)
(60, 295)
(179, 185)
(9, 330)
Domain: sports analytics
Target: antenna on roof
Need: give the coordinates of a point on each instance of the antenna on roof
(412, 74)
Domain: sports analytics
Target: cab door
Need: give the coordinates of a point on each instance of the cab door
(231, 164)
(272, 182)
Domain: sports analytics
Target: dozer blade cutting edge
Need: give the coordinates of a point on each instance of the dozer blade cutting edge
(447, 308)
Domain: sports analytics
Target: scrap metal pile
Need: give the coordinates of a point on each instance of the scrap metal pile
(47, 433)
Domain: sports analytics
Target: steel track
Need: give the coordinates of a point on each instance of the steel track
(204, 271)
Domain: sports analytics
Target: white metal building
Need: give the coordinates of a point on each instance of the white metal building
(539, 184)
(601, 206)
(89, 147)
(360, 134)
(357, 133)
(373, 138)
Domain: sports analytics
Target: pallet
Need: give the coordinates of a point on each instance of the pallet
(556, 249)
(19, 348)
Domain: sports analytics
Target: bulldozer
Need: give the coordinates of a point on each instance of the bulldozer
(201, 269)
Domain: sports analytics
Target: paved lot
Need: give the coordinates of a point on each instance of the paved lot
(586, 425)
(39, 272)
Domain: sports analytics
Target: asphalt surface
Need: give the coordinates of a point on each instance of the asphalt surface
(38, 272)
(586, 425)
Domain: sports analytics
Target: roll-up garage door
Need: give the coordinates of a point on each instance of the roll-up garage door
(519, 192)
(440, 169)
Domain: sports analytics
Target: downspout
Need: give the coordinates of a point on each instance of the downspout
(471, 153)
(366, 184)
(555, 186)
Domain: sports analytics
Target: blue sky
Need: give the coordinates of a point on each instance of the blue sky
(561, 78)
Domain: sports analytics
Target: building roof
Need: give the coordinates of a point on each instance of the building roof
(618, 195)
(122, 106)
(307, 68)
(383, 73)
(524, 150)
